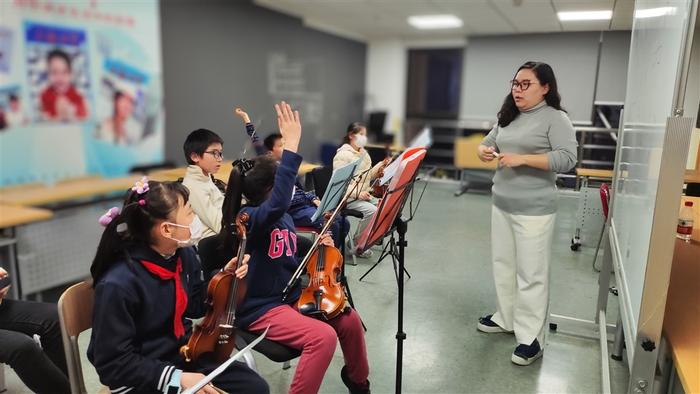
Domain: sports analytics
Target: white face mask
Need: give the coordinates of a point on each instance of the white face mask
(360, 140)
(196, 231)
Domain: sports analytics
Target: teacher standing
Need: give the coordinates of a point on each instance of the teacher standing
(533, 140)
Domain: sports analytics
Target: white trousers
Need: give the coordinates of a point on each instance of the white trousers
(521, 252)
(367, 209)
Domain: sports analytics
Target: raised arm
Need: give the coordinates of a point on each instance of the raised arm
(275, 207)
(250, 130)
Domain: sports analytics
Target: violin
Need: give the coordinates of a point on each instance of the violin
(324, 297)
(217, 333)
(377, 189)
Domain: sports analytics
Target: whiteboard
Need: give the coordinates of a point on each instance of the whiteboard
(657, 45)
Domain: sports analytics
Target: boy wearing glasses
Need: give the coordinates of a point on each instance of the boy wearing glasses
(204, 154)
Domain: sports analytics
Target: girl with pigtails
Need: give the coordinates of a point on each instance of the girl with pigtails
(148, 283)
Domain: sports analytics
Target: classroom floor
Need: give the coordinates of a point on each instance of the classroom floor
(451, 286)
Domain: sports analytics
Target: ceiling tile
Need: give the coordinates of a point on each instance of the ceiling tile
(387, 18)
(530, 16)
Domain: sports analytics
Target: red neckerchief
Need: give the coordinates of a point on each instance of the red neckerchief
(180, 295)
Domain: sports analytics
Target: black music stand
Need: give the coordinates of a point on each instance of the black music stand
(389, 220)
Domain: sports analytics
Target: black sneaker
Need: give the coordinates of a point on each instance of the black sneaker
(353, 387)
(489, 326)
(527, 354)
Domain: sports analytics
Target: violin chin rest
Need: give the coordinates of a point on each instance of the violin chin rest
(308, 308)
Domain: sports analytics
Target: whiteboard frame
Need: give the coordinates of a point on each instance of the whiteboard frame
(646, 332)
(643, 355)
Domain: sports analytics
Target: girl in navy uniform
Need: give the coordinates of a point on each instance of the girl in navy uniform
(147, 281)
(267, 188)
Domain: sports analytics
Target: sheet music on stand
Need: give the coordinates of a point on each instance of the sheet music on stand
(336, 189)
(423, 140)
(394, 200)
(221, 368)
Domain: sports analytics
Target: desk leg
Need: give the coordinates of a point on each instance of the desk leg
(672, 382)
(619, 340)
(14, 265)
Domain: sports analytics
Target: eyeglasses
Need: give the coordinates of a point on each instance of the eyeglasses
(523, 85)
(218, 155)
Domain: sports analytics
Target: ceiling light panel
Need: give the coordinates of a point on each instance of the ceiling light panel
(431, 22)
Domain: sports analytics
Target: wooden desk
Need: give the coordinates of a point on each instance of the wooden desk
(11, 217)
(465, 154)
(692, 176)
(305, 167)
(393, 147)
(682, 316)
(35, 195)
(66, 191)
(594, 173)
(223, 173)
(584, 174)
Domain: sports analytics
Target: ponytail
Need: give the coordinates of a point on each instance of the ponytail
(251, 180)
(230, 209)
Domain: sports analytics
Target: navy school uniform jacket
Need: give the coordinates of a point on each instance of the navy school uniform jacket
(133, 346)
(272, 245)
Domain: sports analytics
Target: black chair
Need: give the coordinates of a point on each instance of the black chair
(320, 178)
(209, 257)
(375, 127)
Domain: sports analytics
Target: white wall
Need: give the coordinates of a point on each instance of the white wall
(386, 76)
(490, 62)
(385, 82)
(387, 62)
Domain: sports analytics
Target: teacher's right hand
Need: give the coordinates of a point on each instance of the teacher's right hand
(485, 153)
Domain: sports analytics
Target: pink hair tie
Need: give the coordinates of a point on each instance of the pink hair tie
(107, 218)
(141, 187)
(142, 202)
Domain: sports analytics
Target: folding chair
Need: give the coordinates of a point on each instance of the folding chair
(75, 316)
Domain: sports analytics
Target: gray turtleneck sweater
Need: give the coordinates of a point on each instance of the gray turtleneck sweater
(540, 130)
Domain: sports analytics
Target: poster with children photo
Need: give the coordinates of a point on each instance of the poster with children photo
(121, 109)
(57, 72)
(11, 109)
